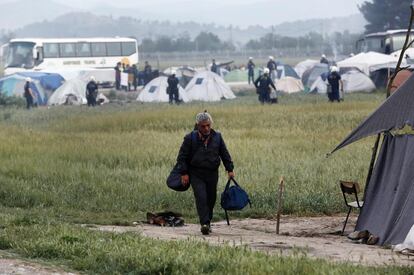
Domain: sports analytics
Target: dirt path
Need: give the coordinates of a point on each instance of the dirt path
(317, 237)
(8, 265)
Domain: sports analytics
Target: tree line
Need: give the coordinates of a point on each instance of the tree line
(208, 41)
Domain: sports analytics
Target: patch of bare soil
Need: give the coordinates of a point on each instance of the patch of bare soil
(317, 237)
(9, 265)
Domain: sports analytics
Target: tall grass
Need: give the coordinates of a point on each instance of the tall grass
(113, 161)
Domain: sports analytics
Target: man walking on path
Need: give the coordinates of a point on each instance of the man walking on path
(199, 161)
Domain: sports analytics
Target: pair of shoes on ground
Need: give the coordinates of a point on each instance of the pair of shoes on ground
(206, 229)
(364, 237)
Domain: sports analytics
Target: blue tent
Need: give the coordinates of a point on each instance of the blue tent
(284, 70)
(49, 81)
(13, 85)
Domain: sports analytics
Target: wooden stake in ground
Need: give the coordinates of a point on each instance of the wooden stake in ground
(279, 203)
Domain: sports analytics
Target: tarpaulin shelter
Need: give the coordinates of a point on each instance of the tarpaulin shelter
(389, 197)
(305, 65)
(284, 70)
(369, 62)
(49, 81)
(311, 75)
(13, 85)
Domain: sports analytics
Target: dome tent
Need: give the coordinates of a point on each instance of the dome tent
(72, 92)
(13, 85)
(289, 85)
(208, 86)
(156, 91)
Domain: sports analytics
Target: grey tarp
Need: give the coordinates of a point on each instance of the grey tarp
(396, 112)
(389, 202)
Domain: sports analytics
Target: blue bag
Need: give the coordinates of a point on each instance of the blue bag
(234, 198)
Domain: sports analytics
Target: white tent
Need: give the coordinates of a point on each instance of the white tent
(208, 86)
(156, 91)
(354, 81)
(303, 66)
(369, 62)
(289, 85)
(72, 92)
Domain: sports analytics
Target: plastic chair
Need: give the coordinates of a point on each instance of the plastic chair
(349, 189)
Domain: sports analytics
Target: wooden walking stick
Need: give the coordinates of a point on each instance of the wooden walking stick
(279, 203)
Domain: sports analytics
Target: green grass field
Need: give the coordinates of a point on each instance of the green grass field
(69, 165)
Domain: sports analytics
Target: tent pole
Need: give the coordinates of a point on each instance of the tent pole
(371, 166)
(407, 44)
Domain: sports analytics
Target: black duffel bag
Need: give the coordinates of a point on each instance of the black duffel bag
(174, 180)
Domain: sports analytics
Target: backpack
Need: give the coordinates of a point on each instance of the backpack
(234, 198)
(174, 179)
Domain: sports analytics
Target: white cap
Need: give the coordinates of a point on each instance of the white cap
(334, 69)
(173, 72)
(28, 79)
(266, 70)
(92, 78)
(323, 56)
(271, 57)
(250, 58)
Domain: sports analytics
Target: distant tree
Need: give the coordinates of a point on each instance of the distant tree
(386, 14)
(207, 41)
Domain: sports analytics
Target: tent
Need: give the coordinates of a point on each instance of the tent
(49, 81)
(73, 92)
(311, 75)
(389, 196)
(208, 86)
(183, 73)
(289, 85)
(156, 91)
(13, 85)
(369, 62)
(303, 66)
(354, 81)
(284, 70)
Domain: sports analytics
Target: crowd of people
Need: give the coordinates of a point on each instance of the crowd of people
(128, 77)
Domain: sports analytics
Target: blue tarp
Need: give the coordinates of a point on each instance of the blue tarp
(49, 81)
(13, 85)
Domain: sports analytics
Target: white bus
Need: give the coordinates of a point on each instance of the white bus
(69, 53)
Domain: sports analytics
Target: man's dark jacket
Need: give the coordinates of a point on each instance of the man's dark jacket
(194, 155)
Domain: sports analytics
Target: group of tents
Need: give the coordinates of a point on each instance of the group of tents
(363, 72)
(194, 86)
(51, 88)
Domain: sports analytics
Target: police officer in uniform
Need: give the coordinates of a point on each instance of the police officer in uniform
(172, 88)
(250, 68)
(263, 85)
(91, 92)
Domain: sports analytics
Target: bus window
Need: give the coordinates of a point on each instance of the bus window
(83, 50)
(98, 49)
(20, 54)
(114, 49)
(67, 50)
(128, 48)
(374, 44)
(51, 50)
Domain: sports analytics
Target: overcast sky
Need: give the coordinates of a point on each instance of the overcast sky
(203, 11)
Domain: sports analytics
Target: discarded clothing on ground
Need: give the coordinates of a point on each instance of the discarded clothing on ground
(165, 219)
